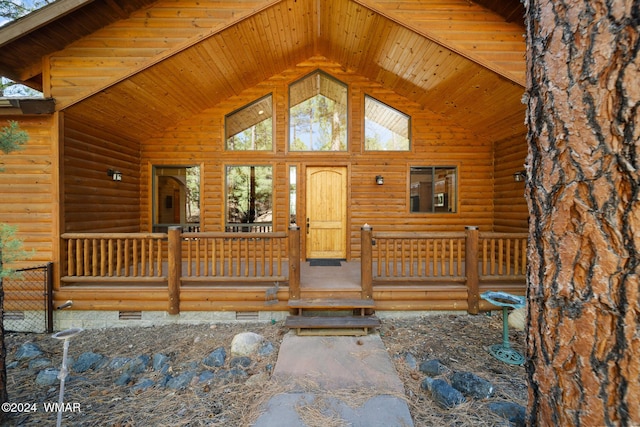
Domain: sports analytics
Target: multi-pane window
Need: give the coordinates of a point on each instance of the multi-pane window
(385, 128)
(433, 189)
(176, 195)
(251, 127)
(249, 198)
(318, 114)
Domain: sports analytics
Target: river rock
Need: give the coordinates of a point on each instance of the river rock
(37, 363)
(240, 362)
(444, 395)
(28, 350)
(216, 358)
(47, 376)
(511, 411)
(246, 344)
(86, 361)
(181, 381)
(137, 365)
(433, 367)
(160, 362)
(471, 385)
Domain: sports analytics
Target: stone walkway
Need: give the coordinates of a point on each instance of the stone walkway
(347, 378)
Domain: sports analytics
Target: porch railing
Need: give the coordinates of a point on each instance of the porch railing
(470, 258)
(216, 257)
(104, 257)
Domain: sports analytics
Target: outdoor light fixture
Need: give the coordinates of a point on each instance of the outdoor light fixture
(519, 176)
(379, 179)
(115, 175)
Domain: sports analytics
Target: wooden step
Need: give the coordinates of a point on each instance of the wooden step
(328, 304)
(332, 325)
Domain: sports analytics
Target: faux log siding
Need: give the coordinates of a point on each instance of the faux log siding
(435, 139)
(510, 206)
(29, 189)
(93, 202)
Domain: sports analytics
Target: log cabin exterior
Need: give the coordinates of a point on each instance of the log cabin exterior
(137, 92)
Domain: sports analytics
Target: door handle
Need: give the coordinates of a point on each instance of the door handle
(307, 225)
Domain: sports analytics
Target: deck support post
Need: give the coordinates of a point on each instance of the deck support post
(366, 261)
(471, 269)
(294, 262)
(175, 268)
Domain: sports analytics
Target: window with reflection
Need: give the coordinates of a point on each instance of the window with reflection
(433, 189)
(251, 127)
(249, 198)
(318, 114)
(385, 128)
(176, 196)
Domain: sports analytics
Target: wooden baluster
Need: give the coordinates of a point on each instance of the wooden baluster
(136, 258)
(280, 250)
(411, 257)
(94, 257)
(492, 268)
(516, 256)
(379, 257)
(71, 266)
(500, 256)
(127, 260)
(205, 248)
(197, 259)
(159, 258)
(189, 259)
(435, 257)
(151, 269)
(87, 258)
(508, 257)
(263, 248)
(484, 257)
(214, 258)
(450, 257)
(427, 258)
(459, 257)
(246, 257)
(78, 253)
(118, 257)
(103, 257)
(443, 257)
(403, 258)
(238, 259)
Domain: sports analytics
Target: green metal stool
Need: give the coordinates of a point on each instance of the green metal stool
(504, 352)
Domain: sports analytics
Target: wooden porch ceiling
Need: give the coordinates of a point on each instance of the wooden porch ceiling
(457, 58)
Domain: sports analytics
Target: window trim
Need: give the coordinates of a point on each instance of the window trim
(347, 120)
(154, 196)
(364, 128)
(225, 208)
(433, 167)
(273, 126)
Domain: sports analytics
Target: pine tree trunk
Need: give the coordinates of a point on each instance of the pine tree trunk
(583, 191)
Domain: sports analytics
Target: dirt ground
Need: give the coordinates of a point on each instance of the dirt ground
(458, 341)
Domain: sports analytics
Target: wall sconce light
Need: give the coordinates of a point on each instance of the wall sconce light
(519, 176)
(115, 175)
(379, 179)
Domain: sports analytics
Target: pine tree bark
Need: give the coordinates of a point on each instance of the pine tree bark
(583, 191)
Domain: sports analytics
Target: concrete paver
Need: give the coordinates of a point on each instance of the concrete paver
(321, 372)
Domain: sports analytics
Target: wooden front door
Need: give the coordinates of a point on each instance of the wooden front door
(326, 212)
